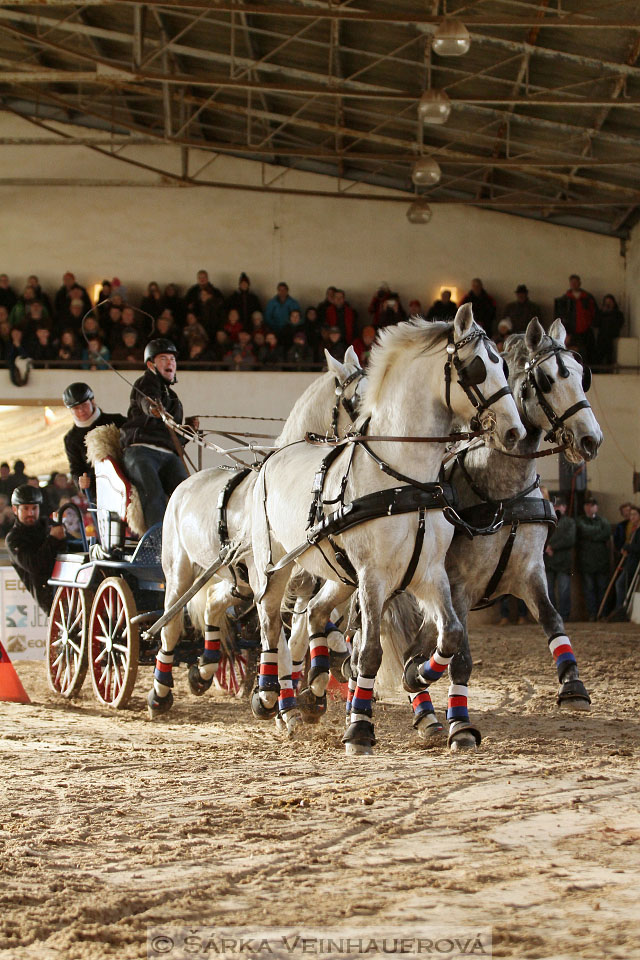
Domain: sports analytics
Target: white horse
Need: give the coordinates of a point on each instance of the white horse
(421, 376)
(192, 537)
(549, 384)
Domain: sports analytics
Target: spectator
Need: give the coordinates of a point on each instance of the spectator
(363, 344)
(558, 560)
(621, 531)
(18, 476)
(378, 301)
(608, 322)
(593, 552)
(41, 348)
(244, 301)
(193, 330)
(203, 283)
(274, 354)
(241, 355)
(6, 486)
(505, 609)
(259, 346)
(415, 308)
(39, 318)
(312, 325)
(323, 306)
(503, 331)
(105, 292)
(69, 349)
(209, 308)
(295, 323)
(18, 359)
(577, 310)
(342, 315)
(129, 350)
(96, 355)
(7, 293)
(33, 281)
(221, 346)
(233, 326)
(127, 322)
(33, 543)
(172, 301)
(20, 315)
(336, 345)
(392, 312)
(276, 314)
(68, 291)
(444, 308)
(257, 323)
(299, 353)
(521, 310)
(630, 554)
(92, 328)
(483, 306)
(55, 491)
(165, 327)
(6, 515)
(5, 334)
(152, 302)
(74, 315)
(198, 350)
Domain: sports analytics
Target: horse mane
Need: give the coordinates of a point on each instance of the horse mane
(416, 335)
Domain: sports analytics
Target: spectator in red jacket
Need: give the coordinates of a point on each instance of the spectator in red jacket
(577, 310)
(342, 315)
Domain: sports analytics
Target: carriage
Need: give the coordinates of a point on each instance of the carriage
(109, 598)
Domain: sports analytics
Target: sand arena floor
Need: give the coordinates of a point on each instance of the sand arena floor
(111, 824)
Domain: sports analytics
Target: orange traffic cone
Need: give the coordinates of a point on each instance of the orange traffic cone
(11, 690)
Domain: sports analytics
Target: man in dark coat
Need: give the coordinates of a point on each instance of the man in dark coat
(33, 543)
(483, 305)
(558, 560)
(594, 553)
(87, 415)
(521, 310)
(152, 452)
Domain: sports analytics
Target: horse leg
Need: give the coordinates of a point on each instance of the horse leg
(359, 738)
(179, 578)
(572, 693)
(322, 632)
(201, 674)
(264, 702)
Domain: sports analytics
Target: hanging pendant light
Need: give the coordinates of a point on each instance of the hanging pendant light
(434, 106)
(419, 212)
(426, 172)
(451, 38)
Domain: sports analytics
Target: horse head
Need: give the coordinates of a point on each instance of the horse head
(350, 378)
(551, 382)
(474, 361)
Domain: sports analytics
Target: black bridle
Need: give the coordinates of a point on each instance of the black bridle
(349, 403)
(543, 384)
(473, 373)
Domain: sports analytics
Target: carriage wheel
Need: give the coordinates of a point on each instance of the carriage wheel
(67, 640)
(236, 673)
(113, 643)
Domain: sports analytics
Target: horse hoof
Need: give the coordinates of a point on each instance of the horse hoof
(260, 710)
(411, 679)
(573, 695)
(358, 749)
(463, 741)
(347, 672)
(428, 729)
(319, 684)
(197, 684)
(336, 664)
(312, 708)
(158, 705)
(288, 723)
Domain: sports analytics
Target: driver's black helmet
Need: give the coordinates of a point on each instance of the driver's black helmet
(161, 345)
(25, 493)
(77, 393)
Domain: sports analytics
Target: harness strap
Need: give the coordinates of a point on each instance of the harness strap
(415, 556)
(223, 502)
(500, 568)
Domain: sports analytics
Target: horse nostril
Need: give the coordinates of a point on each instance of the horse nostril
(589, 447)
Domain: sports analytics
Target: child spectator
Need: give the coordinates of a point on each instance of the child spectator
(336, 345)
(274, 354)
(300, 353)
(129, 350)
(96, 354)
(221, 346)
(362, 344)
(241, 355)
(233, 326)
(152, 302)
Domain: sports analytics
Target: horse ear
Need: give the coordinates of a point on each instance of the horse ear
(557, 331)
(534, 334)
(334, 366)
(350, 356)
(463, 321)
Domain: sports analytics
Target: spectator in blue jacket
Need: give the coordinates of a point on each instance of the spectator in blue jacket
(278, 309)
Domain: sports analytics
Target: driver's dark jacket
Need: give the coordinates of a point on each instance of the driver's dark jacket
(76, 450)
(32, 553)
(140, 426)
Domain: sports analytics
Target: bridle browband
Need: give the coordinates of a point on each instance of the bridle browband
(556, 421)
(473, 373)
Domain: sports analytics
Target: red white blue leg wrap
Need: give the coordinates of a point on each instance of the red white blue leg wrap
(457, 706)
(350, 692)
(362, 699)
(562, 652)
(210, 659)
(268, 677)
(162, 675)
(297, 669)
(433, 668)
(287, 696)
(319, 652)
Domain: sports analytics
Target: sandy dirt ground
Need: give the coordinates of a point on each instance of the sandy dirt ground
(112, 825)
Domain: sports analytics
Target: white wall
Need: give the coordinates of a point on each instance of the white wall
(165, 233)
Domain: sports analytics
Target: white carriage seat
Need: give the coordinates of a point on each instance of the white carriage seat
(118, 501)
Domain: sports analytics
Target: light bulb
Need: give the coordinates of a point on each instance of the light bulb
(451, 39)
(419, 212)
(426, 172)
(434, 106)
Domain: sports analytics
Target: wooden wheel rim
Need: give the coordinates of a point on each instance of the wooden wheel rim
(66, 652)
(231, 673)
(113, 643)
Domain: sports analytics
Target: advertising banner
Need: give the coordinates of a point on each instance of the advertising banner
(23, 625)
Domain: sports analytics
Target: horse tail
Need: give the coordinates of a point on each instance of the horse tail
(403, 632)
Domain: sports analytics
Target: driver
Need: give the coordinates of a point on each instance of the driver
(152, 452)
(32, 543)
